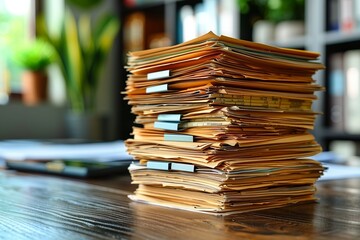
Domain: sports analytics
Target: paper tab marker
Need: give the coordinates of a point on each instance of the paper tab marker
(169, 117)
(158, 75)
(182, 167)
(178, 137)
(167, 125)
(167, 166)
(158, 165)
(156, 89)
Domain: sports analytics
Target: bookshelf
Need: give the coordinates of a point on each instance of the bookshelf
(341, 102)
(320, 35)
(332, 39)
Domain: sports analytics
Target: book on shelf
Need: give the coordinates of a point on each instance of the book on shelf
(333, 20)
(356, 10)
(352, 96)
(144, 29)
(188, 23)
(134, 32)
(346, 15)
(211, 7)
(337, 91)
(220, 17)
(201, 18)
(197, 20)
(343, 15)
(223, 125)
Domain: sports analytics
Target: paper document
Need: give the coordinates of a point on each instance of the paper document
(335, 172)
(103, 151)
(222, 125)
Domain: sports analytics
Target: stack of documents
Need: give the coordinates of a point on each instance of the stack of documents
(222, 125)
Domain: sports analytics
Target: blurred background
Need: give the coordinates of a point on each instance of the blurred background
(77, 49)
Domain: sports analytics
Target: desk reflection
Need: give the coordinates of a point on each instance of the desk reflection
(153, 222)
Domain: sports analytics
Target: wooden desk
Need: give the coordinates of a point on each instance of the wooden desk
(45, 207)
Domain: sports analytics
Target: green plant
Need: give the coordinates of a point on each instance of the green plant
(274, 10)
(34, 56)
(82, 48)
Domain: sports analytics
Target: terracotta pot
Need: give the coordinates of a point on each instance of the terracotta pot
(34, 87)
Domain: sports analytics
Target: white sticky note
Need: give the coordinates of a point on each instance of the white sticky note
(158, 88)
(178, 137)
(158, 75)
(167, 125)
(183, 167)
(158, 165)
(169, 117)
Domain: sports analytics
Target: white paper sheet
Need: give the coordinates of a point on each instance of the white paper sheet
(336, 172)
(104, 151)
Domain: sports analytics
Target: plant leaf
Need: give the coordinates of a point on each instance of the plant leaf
(74, 57)
(85, 32)
(104, 34)
(84, 4)
(74, 61)
(106, 31)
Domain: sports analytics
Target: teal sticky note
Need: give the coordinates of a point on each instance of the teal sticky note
(158, 75)
(183, 167)
(169, 117)
(167, 125)
(156, 89)
(178, 137)
(158, 165)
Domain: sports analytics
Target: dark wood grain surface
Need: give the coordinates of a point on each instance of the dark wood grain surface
(46, 207)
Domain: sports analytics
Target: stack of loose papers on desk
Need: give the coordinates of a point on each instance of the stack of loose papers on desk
(222, 125)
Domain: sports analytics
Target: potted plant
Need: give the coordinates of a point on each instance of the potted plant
(81, 50)
(34, 57)
(275, 20)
